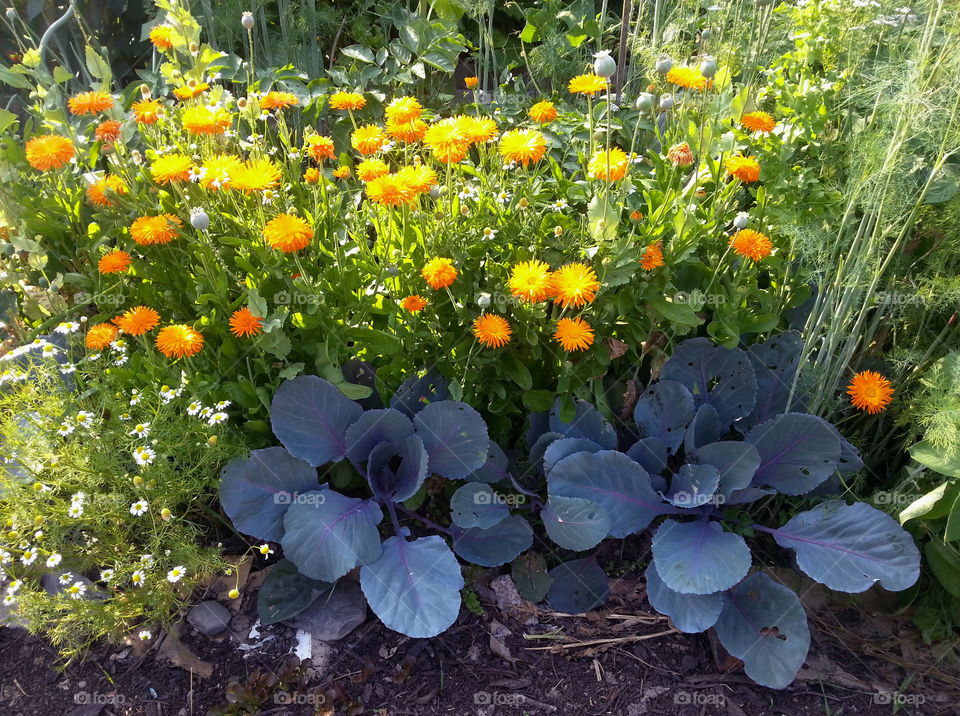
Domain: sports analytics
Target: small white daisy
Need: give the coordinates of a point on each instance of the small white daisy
(65, 429)
(14, 586)
(66, 578)
(143, 455)
(76, 590)
(139, 507)
(9, 599)
(217, 418)
(77, 498)
(176, 574)
(54, 559)
(205, 413)
(194, 408)
(135, 396)
(489, 233)
(141, 430)
(84, 419)
(106, 574)
(147, 559)
(144, 635)
(74, 511)
(560, 204)
(121, 360)
(124, 416)
(138, 578)
(29, 556)
(67, 327)
(68, 369)
(266, 549)
(223, 405)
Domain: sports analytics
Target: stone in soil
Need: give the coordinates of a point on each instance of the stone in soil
(334, 614)
(51, 584)
(209, 618)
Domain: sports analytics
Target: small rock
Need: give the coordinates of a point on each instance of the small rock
(506, 592)
(334, 614)
(209, 618)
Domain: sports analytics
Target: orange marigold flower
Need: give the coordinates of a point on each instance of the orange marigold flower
(347, 101)
(312, 175)
(148, 230)
(574, 285)
(409, 132)
(203, 120)
(588, 84)
(243, 323)
(49, 151)
(115, 261)
(751, 244)
(523, 146)
(341, 172)
(447, 140)
(179, 341)
(687, 77)
(477, 130)
(543, 112)
(471, 82)
(147, 111)
(870, 391)
(107, 131)
(190, 90)
(530, 281)
(100, 336)
(439, 273)
(97, 192)
(403, 110)
(652, 257)
(680, 154)
(746, 169)
(171, 168)
(414, 303)
(419, 178)
(758, 122)
(491, 330)
(162, 37)
(390, 190)
(635, 215)
(278, 100)
(608, 166)
(368, 139)
(370, 169)
(288, 233)
(256, 175)
(320, 148)
(574, 334)
(220, 171)
(138, 320)
(90, 102)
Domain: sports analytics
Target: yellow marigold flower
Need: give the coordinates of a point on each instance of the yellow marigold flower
(680, 154)
(100, 336)
(574, 334)
(419, 178)
(751, 244)
(368, 139)
(447, 140)
(403, 110)
(543, 112)
(477, 130)
(746, 169)
(320, 148)
(574, 285)
(49, 151)
(147, 111)
(588, 84)
(190, 90)
(288, 233)
(138, 320)
(162, 37)
(312, 175)
(491, 330)
(758, 122)
(256, 175)
(90, 103)
(687, 77)
(523, 146)
(115, 261)
(390, 190)
(409, 133)
(203, 120)
(608, 166)
(347, 101)
(244, 324)
(439, 273)
(370, 169)
(148, 230)
(414, 303)
(179, 341)
(171, 168)
(530, 281)
(220, 171)
(107, 131)
(870, 391)
(652, 257)
(341, 172)
(471, 82)
(278, 100)
(97, 192)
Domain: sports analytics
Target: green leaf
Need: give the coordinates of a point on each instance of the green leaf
(603, 218)
(359, 53)
(292, 371)
(537, 400)
(97, 66)
(7, 119)
(257, 304)
(674, 312)
(945, 565)
(440, 60)
(285, 593)
(61, 74)
(529, 33)
(945, 186)
(410, 38)
(952, 532)
(922, 506)
(354, 391)
(517, 371)
(930, 456)
(13, 79)
(529, 572)
(377, 342)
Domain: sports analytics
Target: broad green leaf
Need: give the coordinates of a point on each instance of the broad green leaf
(932, 457)
(360, 53)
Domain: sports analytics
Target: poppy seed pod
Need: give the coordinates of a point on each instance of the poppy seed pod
(740, 220)
(708, 68)
(199, 220)
(666, 102)
(664, 65)
(603, 64)
(483, 300)
(247, 20)
(645, 102)
(706, 33)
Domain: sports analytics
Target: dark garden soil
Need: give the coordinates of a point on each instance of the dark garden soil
(623, 660)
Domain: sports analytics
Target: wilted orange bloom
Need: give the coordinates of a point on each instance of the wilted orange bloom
(100, 336)
(574, 334)
(419, 178)
(447, 140)
(220, 171)
(409, 132)
(341, 172)
(179, 341)
(530, 281)
(746, 169)
(115, 261)
(148, 230)
(347, 101)
(90, 102)
(758, 122)
(403, 110)
(652, 257)
(171, 168)
(190, 90)
(543, 112)
(370, 169)
(147, 111)
(278, 100)
(256, 175)
(491, 330)
(439, 273)
(203, 120)
(243, 323)
(588, 84)
(138, 320)
(688, 78)
(49, 151)
(414, 303)
(523, 146)
(471, 82)
(320, 148)
(680, 154)
(574, 285)
(608, 166)
(107, 131)
(288, 233)
(751, 244)
(368, 139)
(870, 391)
(97, 192)
(162, 37)
(312, 175)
